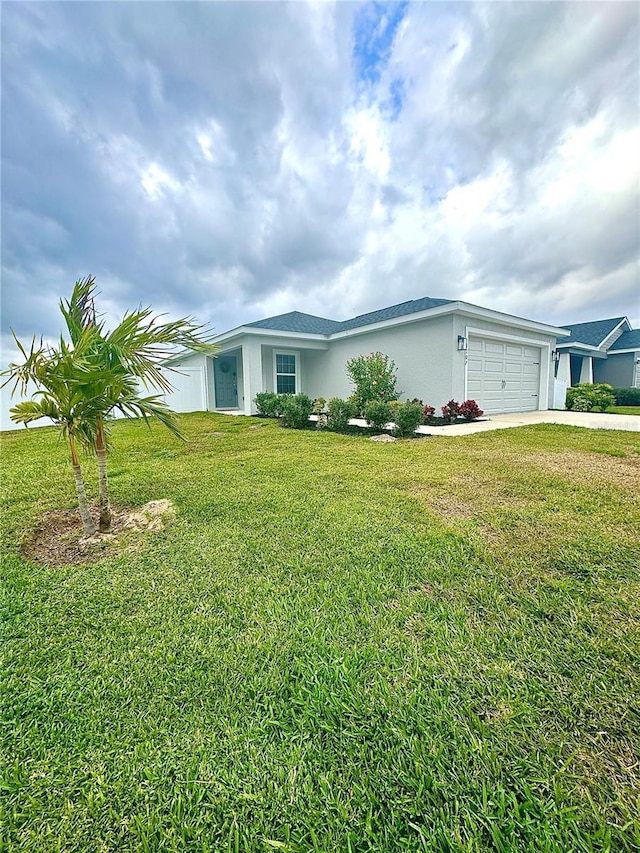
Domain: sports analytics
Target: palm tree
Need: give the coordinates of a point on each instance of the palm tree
(105, 371)
(60, 398)
(123, 359)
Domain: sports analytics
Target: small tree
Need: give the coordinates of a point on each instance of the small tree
(82, 383)
(374, 378)
(119, 361)
(56, 374)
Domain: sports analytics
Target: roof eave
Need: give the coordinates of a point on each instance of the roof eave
(509, 319)
(451, 308)
(269, 333)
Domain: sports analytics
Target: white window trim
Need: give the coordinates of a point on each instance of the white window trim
(296, 354)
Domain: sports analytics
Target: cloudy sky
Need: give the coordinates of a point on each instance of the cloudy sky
(234, 160)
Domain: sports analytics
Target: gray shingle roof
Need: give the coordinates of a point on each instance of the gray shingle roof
(295, 321)
(627, 340)
(590, 333)
(400, 310)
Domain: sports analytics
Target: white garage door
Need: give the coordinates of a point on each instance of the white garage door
(503, 377)
(188, 393)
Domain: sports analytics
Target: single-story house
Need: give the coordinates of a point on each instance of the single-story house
(442, 349)
(600, 351)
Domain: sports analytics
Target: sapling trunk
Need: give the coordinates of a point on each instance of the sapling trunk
(83, 504)
(101, 453)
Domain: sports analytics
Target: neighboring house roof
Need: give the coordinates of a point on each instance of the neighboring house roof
(295, 321)
(627, 340)
(592, 334)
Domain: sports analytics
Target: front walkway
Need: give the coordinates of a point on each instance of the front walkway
(581, 419)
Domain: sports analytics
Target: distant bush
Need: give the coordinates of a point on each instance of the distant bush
(377, 413)
(626, 396)
(339, 412)
(470, 410)
(268, 404)
(580, 404)
(295, 410)
(586, 397)
(407, 418)
(373, 377)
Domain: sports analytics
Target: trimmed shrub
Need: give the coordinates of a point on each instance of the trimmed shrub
(407, 418)
(356, 411)
(295, 410)
(470, 410)
(586, 396)
(373, 377)
(268, 404)
(394, 405)
(580, 404)
(626, 396)
(450, 411)
(377, 413)
(339, 412)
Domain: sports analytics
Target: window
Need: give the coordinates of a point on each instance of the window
(285, 373)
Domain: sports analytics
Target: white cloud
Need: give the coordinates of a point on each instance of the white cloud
(225, 160)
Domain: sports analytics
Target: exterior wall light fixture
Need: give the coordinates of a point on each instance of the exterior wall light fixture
(462, 342)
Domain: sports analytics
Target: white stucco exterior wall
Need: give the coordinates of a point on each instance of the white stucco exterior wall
(422, 351)
(192, 386)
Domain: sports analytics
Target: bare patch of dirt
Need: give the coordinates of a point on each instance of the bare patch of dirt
(589, 467)
(423, 589)
(451, 506)
(59, 540)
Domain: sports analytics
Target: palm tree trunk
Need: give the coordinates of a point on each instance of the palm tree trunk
(101, 453)
(83, 504)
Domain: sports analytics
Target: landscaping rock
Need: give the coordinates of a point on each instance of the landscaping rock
(383, 438)
(150, 516)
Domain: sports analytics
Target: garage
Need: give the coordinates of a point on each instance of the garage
(503, 376)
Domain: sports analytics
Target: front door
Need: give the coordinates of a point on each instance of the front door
(226, 379)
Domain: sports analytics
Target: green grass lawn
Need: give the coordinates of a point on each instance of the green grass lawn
(624, 410)
(338, 645)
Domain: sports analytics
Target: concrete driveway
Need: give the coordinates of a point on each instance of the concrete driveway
(581, 419)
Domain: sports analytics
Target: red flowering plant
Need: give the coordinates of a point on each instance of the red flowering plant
(428, 412)
(374, 378)
(450, 411)
(470, 410)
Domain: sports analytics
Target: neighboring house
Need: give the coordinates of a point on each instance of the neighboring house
(442, 349)
(600, 351)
